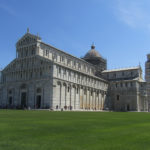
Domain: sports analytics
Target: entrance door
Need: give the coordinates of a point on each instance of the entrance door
(38, 101)
(10, 100)
(128, 107)
(23, 100)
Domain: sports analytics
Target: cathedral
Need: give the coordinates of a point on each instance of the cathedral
(44, 77)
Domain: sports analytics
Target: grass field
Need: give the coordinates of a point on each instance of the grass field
(44, 130)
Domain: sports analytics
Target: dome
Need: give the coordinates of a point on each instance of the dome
(92, 53)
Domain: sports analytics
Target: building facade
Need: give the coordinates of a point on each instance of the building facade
(44, 77)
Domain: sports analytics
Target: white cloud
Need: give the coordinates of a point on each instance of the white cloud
(8, 9)
(133, 13)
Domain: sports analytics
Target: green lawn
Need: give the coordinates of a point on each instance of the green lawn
(44, 130)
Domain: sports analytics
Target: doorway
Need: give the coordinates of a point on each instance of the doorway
(128, 107)
(23, 99)
(10, 100)
(38, 101)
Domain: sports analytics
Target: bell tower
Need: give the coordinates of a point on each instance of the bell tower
(147, 78)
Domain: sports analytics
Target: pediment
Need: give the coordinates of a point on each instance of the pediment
(27, 39)
(11, 66)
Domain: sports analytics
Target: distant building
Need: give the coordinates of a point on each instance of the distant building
(44, 77)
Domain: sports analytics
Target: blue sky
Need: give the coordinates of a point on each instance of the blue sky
(120, 29)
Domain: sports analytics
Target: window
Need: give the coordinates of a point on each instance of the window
(59, 70)
(55, 57)
(62, 58)
(69, 73)
(107, 76)
(84, 67)
(121, 84)
(74, 63)
(68, 62)
(68, 89)
(114, 75)
(38, 90)
(118, 97)
(47, 52)
(64, 71)
(116, 85)
(10, 92)
(79, 66)
(122, 73)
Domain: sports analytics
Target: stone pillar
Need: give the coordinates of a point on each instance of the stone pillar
(91, 99)
(81, 98)
(88, 99)
(63, 94)
(94, 100)
(70, 97)
(138, 102)
(77, 97)
(102, 104)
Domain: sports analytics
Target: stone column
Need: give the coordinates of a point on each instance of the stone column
(94, 100)
(138, 102)
(63, 94)
(75, 94)
(78, 98)
(81, 98)
(70, 98)
(89, 98)
(102, 106)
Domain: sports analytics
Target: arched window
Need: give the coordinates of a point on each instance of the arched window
(38, 90)
(10, 91)
(23, 86)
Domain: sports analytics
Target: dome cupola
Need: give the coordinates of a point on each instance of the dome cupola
(92, 53)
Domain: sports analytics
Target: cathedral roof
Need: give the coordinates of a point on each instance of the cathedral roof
(28, 36)
(92, 53)
(122, 69)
